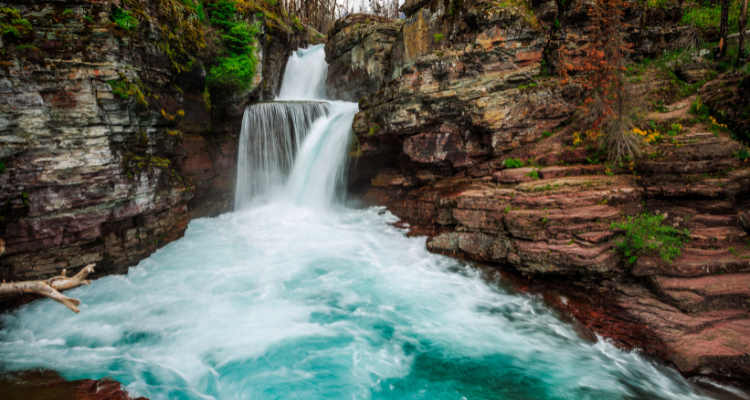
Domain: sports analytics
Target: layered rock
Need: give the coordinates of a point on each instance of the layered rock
(358, 55)
(107, 144)
(465, 92)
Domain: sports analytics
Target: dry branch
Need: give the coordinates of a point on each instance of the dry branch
(51, 287)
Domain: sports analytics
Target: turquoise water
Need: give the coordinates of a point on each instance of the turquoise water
(288, 302)
(294, 296)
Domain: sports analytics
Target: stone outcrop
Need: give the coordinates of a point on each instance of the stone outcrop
(44, 384)
(465, 91)
(357, 53)
(107, 145)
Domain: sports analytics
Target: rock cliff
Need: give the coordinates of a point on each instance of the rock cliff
(109, 143)
(471, 142)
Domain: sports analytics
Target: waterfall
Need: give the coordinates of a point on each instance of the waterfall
(269, 139)
(295, 149)
(280, 301)
(305, 75)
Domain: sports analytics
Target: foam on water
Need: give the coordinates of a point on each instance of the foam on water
(286, 302)
(300, 298)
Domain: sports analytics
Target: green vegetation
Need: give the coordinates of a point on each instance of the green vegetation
(234, 73)
(2, 167)
(707, 15)
(125, 89)
(513, 163)
(17, 27)
(196, 6)
(375, 128)
(645, 233)
(533, 174)
(124, 20)
(235, 69)
(438, 37)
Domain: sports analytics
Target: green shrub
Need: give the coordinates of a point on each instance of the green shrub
(513, 163)
(196, 6)
(533, 174)
(645, 233)
(233, 73)
(241, 38)
(699, 109)
(2, 167)
(222, 14)
(124, 20)
(743, 154)
(547, 134)
(438, 37)
(68, 12)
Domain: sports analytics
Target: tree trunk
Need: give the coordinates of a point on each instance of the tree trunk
(50, 287)
(723, 28)
(743, 24)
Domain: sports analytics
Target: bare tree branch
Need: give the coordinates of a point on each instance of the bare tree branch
(51, 287)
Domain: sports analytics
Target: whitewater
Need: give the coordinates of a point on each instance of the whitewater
(294, 295)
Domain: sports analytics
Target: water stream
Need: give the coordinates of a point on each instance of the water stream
(299, 297)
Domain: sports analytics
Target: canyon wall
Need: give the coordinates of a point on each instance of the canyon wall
(108, 145)
(466, 89)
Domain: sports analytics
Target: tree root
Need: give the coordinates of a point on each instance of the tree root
(51, 287)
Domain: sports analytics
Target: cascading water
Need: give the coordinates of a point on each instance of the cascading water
(268, 143)
(285, 301)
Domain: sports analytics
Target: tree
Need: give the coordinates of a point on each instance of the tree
(51, 287)
(600, 71)
(743, 24)
(723, 29)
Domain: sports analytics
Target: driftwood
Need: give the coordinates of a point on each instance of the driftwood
(51, 287)
(737, 35)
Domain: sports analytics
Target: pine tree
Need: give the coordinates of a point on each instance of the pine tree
(743, 25)
(607, 105)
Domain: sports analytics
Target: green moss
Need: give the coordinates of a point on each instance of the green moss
(15, 27)
(438, 37)
(125, 89)
(374, 129)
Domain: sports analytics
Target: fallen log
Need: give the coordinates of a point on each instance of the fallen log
(51, 287)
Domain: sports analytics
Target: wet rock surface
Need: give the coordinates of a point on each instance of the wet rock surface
(44, 384)
(107, 143)
(358, 55)
(464, 94)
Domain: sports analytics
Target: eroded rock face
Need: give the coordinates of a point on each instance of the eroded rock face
(107, 150)
(44, 384)
(358, 54)
(464, 95)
